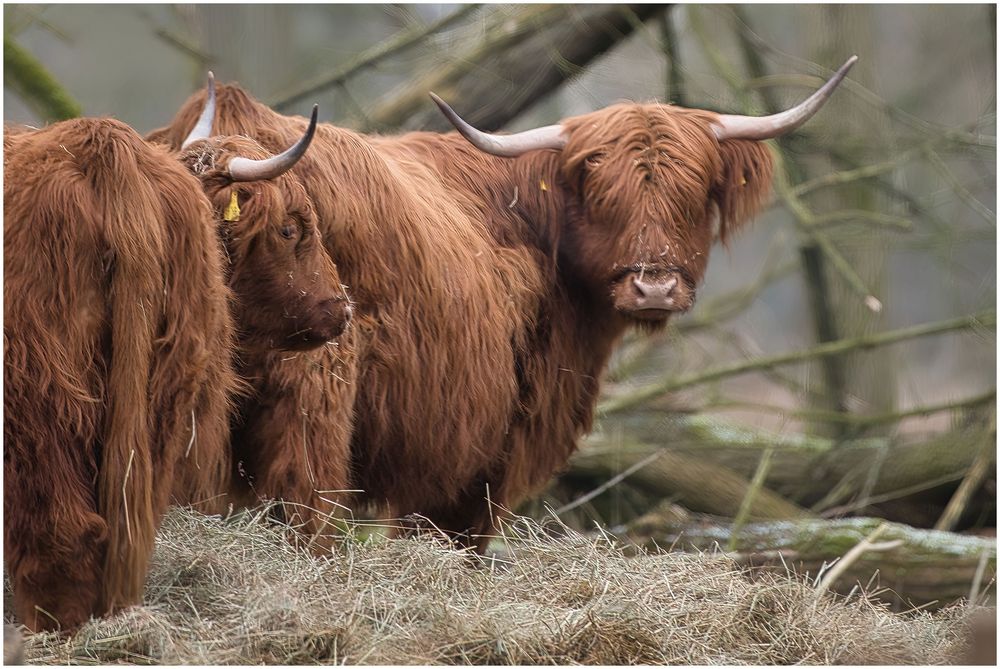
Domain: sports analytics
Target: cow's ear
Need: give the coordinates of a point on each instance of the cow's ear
(744, 183)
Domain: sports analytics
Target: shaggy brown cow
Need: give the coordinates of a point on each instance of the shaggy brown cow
(289, 303)
(118, 342)
(291, 431)
(492, 290)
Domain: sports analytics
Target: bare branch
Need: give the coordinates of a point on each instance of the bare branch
(982, 319)
(369, 58)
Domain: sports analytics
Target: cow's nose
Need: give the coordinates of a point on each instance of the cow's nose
(336, 307)
(656, 293)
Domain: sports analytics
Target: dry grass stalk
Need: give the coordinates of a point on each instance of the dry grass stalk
(236, 592)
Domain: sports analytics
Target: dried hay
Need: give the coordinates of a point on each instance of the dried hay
(236, 592)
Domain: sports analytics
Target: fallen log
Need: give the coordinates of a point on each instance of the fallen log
(697, 484)
(907, 566)
(808, 471)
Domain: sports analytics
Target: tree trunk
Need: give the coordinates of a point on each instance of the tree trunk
(527, 52)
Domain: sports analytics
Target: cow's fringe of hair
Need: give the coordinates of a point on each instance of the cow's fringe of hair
(118, 341)
(745, 186)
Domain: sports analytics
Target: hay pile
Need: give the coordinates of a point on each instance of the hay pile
(235, 592)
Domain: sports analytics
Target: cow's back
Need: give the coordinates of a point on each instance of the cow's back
(116, 342)
(442, 309)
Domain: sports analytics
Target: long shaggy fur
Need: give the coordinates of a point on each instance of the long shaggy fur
(287, 437)
(117, 367)
(484, 283)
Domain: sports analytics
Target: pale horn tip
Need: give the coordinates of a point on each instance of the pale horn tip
(446, 109)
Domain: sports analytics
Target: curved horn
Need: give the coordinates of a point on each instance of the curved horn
(507, 146)
(203, 128)
(768, 127)
(247, 169)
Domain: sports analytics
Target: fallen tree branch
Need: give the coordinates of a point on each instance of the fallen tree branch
(917, 567)
(804, 469)
(700, 485)
(985, 319)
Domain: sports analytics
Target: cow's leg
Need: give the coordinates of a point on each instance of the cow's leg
(305, 468)
(466, 522)
(293, 440)
(54, 544)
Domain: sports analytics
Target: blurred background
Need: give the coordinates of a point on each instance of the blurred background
(836, 382)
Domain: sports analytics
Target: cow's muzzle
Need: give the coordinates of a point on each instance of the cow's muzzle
(328, 321)
(652, 295)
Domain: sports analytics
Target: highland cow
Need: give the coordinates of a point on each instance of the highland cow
(291, 430)
(119, 342)
(493, 283)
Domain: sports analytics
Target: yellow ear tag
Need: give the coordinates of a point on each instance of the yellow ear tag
(543, 185)
(232, 212)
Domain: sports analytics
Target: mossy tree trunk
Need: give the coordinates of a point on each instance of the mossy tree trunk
(906, 566)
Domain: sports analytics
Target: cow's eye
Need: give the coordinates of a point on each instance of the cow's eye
(594, 159)
(290, 231)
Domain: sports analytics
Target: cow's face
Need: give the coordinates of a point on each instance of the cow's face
(653, 187)
(647, 184)
(288, 291)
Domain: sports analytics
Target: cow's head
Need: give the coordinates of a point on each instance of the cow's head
(287, 288)
(651, 185)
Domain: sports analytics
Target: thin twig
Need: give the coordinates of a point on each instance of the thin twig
(865, 545)
(978, 470)
(952, 134)
(982, 319)
(836, 511)
(807, 223)
(845, 177)
(860, 420)
(977, 580)
(615, 480)
(961, 191)
(755, 485)
(863, 216)
(370, 57)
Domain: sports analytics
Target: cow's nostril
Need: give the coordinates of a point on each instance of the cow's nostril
(639, 286)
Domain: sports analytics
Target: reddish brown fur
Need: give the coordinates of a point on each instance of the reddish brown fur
(117, 340)
(487, 285)
(287, 436)
(140, 308)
